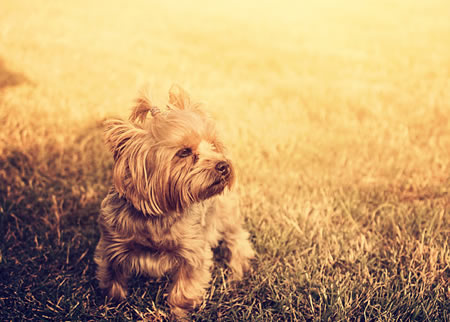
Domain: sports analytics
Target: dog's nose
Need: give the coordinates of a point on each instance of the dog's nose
(223, 168)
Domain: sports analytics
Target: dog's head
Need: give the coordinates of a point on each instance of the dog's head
(169, 161)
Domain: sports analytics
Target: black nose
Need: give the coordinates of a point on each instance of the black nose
(223, 168)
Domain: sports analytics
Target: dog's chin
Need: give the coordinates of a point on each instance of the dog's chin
(214, 189)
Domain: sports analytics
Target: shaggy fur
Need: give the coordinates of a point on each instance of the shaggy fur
(170, 202)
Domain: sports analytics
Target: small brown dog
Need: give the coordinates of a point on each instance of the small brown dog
(170, 203)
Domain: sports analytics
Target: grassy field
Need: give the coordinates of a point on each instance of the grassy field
(337, 114)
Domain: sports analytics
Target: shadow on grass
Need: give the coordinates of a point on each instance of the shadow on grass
(9, 78)
(48, 213)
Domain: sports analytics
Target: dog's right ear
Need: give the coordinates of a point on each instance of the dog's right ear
(118, 134)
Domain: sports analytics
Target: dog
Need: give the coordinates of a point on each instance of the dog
(170, 204)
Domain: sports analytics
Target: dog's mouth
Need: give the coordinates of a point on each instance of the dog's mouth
(221, 181)
(217, 182)
(215, 188)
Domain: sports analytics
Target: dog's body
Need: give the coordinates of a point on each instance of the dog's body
(170, 203)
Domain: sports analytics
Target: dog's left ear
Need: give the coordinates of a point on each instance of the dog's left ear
(118, 134)
(142, 106)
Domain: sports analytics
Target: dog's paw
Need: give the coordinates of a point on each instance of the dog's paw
(240, 262)
(179, 314)
(117, 292)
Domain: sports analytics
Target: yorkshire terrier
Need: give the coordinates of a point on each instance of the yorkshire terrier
(171, 202)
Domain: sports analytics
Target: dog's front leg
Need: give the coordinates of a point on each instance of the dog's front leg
(236, 239)
(190, 281)
(110, 274)
(241, 251)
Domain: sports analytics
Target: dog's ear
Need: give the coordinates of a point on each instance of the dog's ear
(178, 97)
(130, 146)
(142, 106)
(117, 135)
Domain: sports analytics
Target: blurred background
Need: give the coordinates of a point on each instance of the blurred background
(363, 86)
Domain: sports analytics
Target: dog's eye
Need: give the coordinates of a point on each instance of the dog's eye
(183, 153)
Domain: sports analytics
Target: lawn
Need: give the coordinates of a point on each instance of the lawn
(337, 116)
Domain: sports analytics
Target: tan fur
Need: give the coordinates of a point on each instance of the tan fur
(168, 205)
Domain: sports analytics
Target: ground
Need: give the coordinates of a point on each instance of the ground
(337, 115)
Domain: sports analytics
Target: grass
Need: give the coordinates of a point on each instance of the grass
(338, 118)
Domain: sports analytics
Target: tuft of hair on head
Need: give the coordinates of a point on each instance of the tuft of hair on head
(142, 106)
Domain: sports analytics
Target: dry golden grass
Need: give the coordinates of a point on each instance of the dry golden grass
(337, 114)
